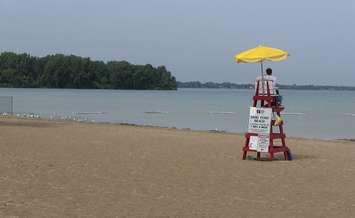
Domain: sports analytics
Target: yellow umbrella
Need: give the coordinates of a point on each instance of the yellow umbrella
(260, 54)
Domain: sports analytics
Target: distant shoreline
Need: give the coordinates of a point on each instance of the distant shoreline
(318, 88)
(227, 85)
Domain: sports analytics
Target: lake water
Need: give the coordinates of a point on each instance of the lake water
(313, 114)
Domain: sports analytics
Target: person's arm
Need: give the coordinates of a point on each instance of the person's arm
(275, 80)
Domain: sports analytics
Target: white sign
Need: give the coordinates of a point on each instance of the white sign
(260, 120)
(253, 142)
(263, 143)
(259, 143)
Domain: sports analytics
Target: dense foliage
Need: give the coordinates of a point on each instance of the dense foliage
(61, 71)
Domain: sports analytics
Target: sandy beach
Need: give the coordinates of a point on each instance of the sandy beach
(67, 169)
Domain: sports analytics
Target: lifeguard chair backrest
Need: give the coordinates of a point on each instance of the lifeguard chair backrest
(262, 87)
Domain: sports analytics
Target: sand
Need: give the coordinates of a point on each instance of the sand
(66, 169)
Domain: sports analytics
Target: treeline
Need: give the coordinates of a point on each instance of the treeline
(316, 87)
(228, 85)
(63, 71)
(213, 85)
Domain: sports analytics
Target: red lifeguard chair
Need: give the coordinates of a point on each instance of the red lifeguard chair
(266, 97)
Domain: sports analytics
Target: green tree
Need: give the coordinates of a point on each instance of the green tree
(61, 71)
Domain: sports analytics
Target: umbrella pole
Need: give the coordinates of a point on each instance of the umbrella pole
(262, 77)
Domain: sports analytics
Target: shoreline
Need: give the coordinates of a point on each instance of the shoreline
(216, 131)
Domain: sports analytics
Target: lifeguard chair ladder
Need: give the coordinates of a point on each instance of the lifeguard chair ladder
(268, 100)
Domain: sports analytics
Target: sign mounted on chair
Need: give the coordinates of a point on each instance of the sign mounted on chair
(259, 143)
(260, 120)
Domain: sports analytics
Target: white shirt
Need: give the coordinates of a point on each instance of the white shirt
(272, 85)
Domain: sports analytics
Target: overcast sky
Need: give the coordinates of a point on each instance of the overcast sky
(194, 39)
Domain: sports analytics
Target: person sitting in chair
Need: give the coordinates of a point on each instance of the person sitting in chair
(272, 86)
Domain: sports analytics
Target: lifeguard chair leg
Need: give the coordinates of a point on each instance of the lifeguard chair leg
(245, 148)
(271, 146)
(286, 155)
(271, 155)
(244, 155)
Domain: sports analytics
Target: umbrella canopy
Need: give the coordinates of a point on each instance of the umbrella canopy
(260, 54)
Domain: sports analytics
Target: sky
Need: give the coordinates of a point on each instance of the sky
(194, 39)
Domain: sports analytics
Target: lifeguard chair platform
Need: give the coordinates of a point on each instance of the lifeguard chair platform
(265, 133)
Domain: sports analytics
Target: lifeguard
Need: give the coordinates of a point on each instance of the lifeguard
(269, 80)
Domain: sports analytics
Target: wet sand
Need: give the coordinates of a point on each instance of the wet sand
(67, 169)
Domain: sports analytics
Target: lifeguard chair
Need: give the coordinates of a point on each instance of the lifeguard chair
(266, 97)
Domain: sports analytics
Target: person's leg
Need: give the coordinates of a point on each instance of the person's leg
(278, 99)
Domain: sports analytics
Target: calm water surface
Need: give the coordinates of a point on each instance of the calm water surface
(319, 114)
